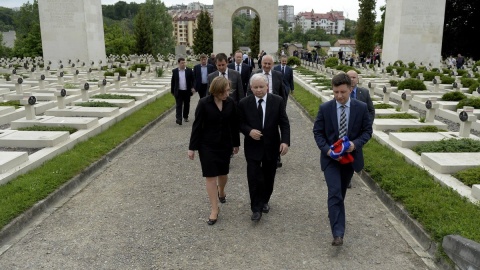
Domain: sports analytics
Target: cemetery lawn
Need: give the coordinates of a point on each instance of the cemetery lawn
(23, 192)
(440, 210)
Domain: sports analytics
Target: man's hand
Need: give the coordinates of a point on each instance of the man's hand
(191, 154)
(351, 148)
(235, 150)
(283, 149)
(256, 134)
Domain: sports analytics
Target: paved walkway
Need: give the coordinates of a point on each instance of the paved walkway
(148, 209)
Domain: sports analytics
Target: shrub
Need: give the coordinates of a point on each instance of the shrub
(473, 87)
(331, 62)
(112, 96)
(447, 79)
(467, 82)
(430, 75)
(159, 72)
(95, 104)
(397, 116)
(293, 61)
(383, 106)
(46, 128)
(411, 83)
(469, 177)
(135, 66)
(449, 146)
(421, 129)
(472, 102)
(393, 83)
(453, 96)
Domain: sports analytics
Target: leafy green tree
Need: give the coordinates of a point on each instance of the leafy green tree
(255, 37)
(160, 27)
(366, 26)
(379, 28)
(118, 39)
(203, 35)
(6, 19)
(28, 35)
(242, 26)
(143, 37)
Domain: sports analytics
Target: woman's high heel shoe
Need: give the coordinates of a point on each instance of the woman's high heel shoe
(213, 221)
(222, 199)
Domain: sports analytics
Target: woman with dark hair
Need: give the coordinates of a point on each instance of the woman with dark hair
(215, 134)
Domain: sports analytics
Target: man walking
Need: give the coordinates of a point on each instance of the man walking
(287, 73)
(348, 120)
(181, 87)
(200, 72)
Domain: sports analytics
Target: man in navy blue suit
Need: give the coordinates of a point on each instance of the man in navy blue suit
(337, 118)
(181, 87)
(242, 68)
(200, 72)
(287, 75)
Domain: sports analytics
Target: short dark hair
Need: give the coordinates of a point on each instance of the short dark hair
(221, 57)
(180, 59)
(341, 78)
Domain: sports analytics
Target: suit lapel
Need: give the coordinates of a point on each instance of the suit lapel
(268, 109)
(334, 118)
(352, 116)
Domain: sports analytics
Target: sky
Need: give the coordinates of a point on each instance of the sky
(349, 7)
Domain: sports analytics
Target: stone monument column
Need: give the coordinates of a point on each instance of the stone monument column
(224, 10)
(413, 31)
(72, 29)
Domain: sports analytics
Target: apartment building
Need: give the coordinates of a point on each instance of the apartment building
(332, 22)
(286, 13)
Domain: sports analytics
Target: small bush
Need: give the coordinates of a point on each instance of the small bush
(112, 96)
(397, 116)
(429, 75)
(469, 177)
(135, 66)
(383, 106)
(413, 84)
(446, 79)
(421, 129)
(473, 87)
(70, 86)
(159, 72)
(293, 61)
(393, 83)
(331, 62)
(45, 128)
(95, 104)
(453, 96)
(472, 102)
(467, 82)
(449, 146)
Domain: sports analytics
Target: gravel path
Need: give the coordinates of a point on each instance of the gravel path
(148, 209)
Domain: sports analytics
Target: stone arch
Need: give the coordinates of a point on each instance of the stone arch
(223, 11)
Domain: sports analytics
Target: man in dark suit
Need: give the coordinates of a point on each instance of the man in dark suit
(244, 69)
(275, 78)
(250, 62)
(236, 86)
(287, 73)
(211, 61)
(262, 115)
(337, 118)
(182, 89)
(200, 72)
(361, 94)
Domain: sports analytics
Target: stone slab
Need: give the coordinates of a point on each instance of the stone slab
(50, 121)
(464, 252)
(32, 139)
(476, 191)
(448, 105)
(393, 111)
(424, 98)
(411, 139)
(38, 96)
(396, 124)
(9, 160)
(79, 111)
(117, 102)
(6, 109)
(450, 163)
(134, 94)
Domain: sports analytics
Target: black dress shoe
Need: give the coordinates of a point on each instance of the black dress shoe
(337, 241)
(185, 119)
(256, 216)
(179, 121)
(279, 164)
(266, 208)
(349, 185)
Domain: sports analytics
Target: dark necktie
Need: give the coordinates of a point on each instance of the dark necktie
(343, 122)
(353, 95)
(223, 74)
(260, 111)
(238, 68)
(283, 69)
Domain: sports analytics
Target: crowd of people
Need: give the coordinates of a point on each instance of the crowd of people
(237, 98)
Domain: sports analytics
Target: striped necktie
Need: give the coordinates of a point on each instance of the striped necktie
(343, 122)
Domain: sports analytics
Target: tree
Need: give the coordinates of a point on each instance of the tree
(143, 38)
(27, 26)
(255, 37)
(379, 28)
(118, 40)
(366, 26)
(160, 27)
(203, 35)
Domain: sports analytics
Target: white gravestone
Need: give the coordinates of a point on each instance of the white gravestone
(72, 29)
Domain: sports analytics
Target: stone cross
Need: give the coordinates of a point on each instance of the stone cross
(60, 94)
(467, 117)
(431, 105)
(406, 97)
(387, 90)
(29, 103)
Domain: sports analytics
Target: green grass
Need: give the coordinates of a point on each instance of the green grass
(439, 209)
(14, 103)
(397, 116)
(383, 106)
(23, 192)
(112, 96)
(95, 104)
(45, 128)
(469, 176)
(449, 146)
(309, 101)
(422, 129)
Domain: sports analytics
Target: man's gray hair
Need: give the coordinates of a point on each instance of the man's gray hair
(259, 76)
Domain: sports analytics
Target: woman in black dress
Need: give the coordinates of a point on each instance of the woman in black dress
(215, 133)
